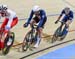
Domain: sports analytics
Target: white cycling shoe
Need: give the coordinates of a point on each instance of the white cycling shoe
(36, 45)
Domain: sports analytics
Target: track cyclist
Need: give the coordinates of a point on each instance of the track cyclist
(37, 15)
(67, 19)
(10, 21)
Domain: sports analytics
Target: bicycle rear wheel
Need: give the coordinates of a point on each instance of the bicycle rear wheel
(6, 41)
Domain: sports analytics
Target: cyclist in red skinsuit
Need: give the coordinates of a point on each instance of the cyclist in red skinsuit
(10, 21)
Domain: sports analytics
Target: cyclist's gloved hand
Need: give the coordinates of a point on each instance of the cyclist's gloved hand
(7, 27)
(25, 25)
(56, 22)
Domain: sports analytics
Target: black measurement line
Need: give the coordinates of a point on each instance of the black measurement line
(46, 48)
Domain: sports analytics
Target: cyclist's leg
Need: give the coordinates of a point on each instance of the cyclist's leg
(66, 28)
(1, 44)
(2, 36)
(39, 32)
(7, 30)
(14, 22)
(4, 23)
(63, 20)
(35, 21)
(39, 35)
(60, 28)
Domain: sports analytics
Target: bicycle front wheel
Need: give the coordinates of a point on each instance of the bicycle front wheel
(27, 41)
(8, 42)
(56, 34)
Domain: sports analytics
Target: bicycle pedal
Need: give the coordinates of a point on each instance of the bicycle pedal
(31, 49)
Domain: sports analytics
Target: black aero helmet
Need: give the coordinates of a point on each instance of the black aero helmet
(3, 7)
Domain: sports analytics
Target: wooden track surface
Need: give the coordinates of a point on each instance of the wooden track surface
(22, 8)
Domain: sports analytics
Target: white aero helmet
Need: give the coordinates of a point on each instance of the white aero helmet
(36, 8)
(66, 8)
(3, 7)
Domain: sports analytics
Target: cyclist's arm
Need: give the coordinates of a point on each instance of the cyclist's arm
(30, 17)
(71, 16)
(61, 15)
(8, 26)
(42, 19)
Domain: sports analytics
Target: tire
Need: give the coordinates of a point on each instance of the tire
(54, 38)
(7, 47)
(35, 40)
(24, 46)
(27, 42)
